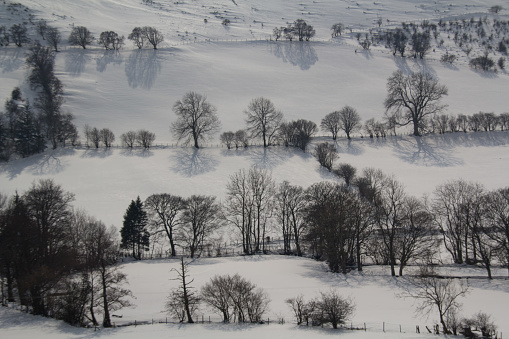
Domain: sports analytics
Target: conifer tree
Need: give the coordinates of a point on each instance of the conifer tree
(134, 233)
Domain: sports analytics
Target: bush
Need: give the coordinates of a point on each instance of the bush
(483, 62)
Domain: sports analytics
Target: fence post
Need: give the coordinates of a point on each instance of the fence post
(364, 327)
(384, 326)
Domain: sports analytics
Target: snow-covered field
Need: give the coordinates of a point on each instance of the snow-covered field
(134, 89)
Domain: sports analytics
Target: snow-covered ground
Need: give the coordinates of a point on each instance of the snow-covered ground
(374, 292)
(134, 89)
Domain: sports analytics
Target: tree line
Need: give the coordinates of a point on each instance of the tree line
(364, 218)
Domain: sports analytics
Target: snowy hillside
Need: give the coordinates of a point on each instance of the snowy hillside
(132, 89)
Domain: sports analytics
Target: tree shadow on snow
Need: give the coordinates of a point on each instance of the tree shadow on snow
(423, 151)
(297, 53)
(75, 61)
(270, 157)
(11, 59)
(136, 152)
(47, 163)
(142, 68)
(108, 57)
(97, 153)
(191, 162)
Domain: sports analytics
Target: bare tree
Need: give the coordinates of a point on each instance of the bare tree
(165, 213)
(420, 44)
(137, 37)
(331, 123)
(349, 120)
(332, 308)
(128, 139)
(241, 139)
(196, 119)
(19, 34)
(227, 138)
(235, 297)
(414, 97)
(111, 40)
(152, 35)
(249, 206)
(433, 293)
(183, 301)
(41, 27)
(347, 172)
(337, 29)
(497, 204)
(263, 119)
(326, 154)
(199, 221)
(145, 138)
(80, 36)
(53, 37)
(107, 137)
(290, 204)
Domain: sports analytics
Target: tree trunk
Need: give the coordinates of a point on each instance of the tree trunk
(106, 314)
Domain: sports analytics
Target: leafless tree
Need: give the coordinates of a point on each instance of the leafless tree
(497, 204)
(290, 204)
(41, 27)
(152, 35)
(455, 208)
(128, 139)
(53, 37)
(332, 308)
(241, 139)
(326, 154)
(414, 97)
(235, 297)
(137, 37)
(165, 213)
(111, 40)
(249, 206)
(145, 138)
(331, 123)
(19, 34)
(263, 119)
(199, 221)
(80, 36)
(434, 293)
(183, 301)
(107, 137)
(196, 119)
(347, 172)
(337, 29)
(227, 138)
(349, 120)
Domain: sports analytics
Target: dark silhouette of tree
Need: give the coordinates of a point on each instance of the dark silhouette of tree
(19, 34)
(134, 233)
(196, 119)
(145, 138)
(412, 98)
(111, 40)
(137, 37)
(263, 119)
(152, 35)
(53, 37)
(80, 36)
(349, 120)
(165, 213)
(331, 123)
(199, 221)
(183, 301)
(337, 29)
(326, 154)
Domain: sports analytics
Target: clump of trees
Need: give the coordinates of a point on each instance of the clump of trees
(329, 308)
(57, 261)
(142, 138)
(235, 298)
(299, 29)
(147, 34)
(97, 136)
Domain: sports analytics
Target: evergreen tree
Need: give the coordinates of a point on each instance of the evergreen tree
(27, 136)
(134, 232)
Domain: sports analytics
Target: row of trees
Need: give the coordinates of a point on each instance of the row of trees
(57, 261)
(188, 223)
(299, 29)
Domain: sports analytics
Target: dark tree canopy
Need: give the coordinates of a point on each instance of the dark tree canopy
(196, 119)
(134, 233)
(411, 98)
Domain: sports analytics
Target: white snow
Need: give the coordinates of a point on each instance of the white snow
(134, 89)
